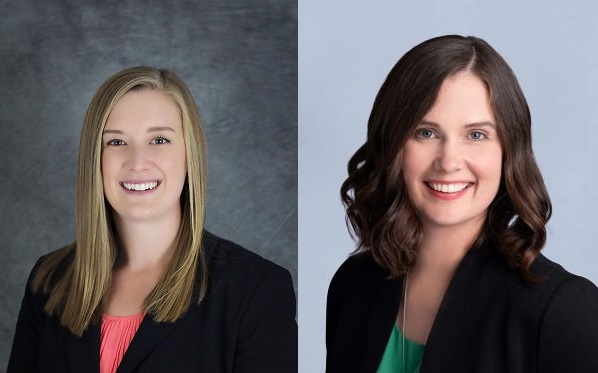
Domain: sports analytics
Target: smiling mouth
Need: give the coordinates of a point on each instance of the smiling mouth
(448, 188)
(141, 186)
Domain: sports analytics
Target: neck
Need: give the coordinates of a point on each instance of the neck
(146, 244)
(443, 249)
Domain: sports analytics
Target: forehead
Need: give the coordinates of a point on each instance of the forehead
(144, 108)
(462, 98)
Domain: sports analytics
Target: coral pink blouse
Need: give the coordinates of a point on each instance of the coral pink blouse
(116, 334)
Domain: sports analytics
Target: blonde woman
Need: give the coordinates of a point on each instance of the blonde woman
(144, 288)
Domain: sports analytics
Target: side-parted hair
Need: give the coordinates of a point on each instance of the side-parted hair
(77, 297)
(380, 214)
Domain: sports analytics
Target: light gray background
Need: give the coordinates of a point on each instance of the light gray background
(345, 51)
(239, 58)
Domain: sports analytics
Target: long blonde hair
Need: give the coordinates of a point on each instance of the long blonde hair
(77, 296)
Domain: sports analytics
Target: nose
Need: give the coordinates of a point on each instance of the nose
(450, 156)
(137, 158)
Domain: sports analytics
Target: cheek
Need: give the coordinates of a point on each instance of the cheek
(108, 165)
(495, 162)
(489, 167)
(181, 161)
(413, 166)
(415, 163)
(175, 163)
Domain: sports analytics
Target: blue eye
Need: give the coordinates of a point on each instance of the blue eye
(477, 135)
(160, 140)
(425, 133)
(115, 142)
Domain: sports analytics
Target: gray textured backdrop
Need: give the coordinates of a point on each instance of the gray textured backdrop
(239, 58)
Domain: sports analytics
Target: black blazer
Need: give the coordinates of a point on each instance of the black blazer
(488, 321)
(245, 324)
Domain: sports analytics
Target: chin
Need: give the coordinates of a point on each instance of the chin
(137, 214)
(455, 222)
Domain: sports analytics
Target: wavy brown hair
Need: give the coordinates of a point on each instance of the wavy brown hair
(380, 214)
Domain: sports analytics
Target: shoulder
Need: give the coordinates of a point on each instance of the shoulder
(562, 286)
(231, 266)
(568, 332)
(361, 307)
(50, 269)
(551, 272)
(359, 271)
(251, 299)
(358, 283)
(553, 281)
(226, 256)
(47, 270)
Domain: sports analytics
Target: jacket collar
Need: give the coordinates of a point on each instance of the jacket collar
(452, 317)
(385, 307)
(450, 322)
(149, 334)
(84, 352)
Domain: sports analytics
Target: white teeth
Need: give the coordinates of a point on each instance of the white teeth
(448, 188)
(141, 187)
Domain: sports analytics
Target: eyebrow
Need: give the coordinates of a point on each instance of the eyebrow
(468, 125)
(151, 129)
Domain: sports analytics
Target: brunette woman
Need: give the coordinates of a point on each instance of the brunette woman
(449, 210)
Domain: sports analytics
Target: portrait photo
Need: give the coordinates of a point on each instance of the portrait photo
(346, 53)
(237, 61)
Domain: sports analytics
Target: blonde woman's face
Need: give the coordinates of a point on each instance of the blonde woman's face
(143, 157)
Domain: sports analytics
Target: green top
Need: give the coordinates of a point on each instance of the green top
(392, 359)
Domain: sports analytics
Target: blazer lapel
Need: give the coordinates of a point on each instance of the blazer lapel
(384, 310)
(452, 317)
(84, 352)
(149, 334)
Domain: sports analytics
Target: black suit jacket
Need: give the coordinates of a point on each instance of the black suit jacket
(245, 324)
(488, 321)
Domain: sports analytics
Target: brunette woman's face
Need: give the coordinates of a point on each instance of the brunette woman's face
(452, 162)
(143, 156)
